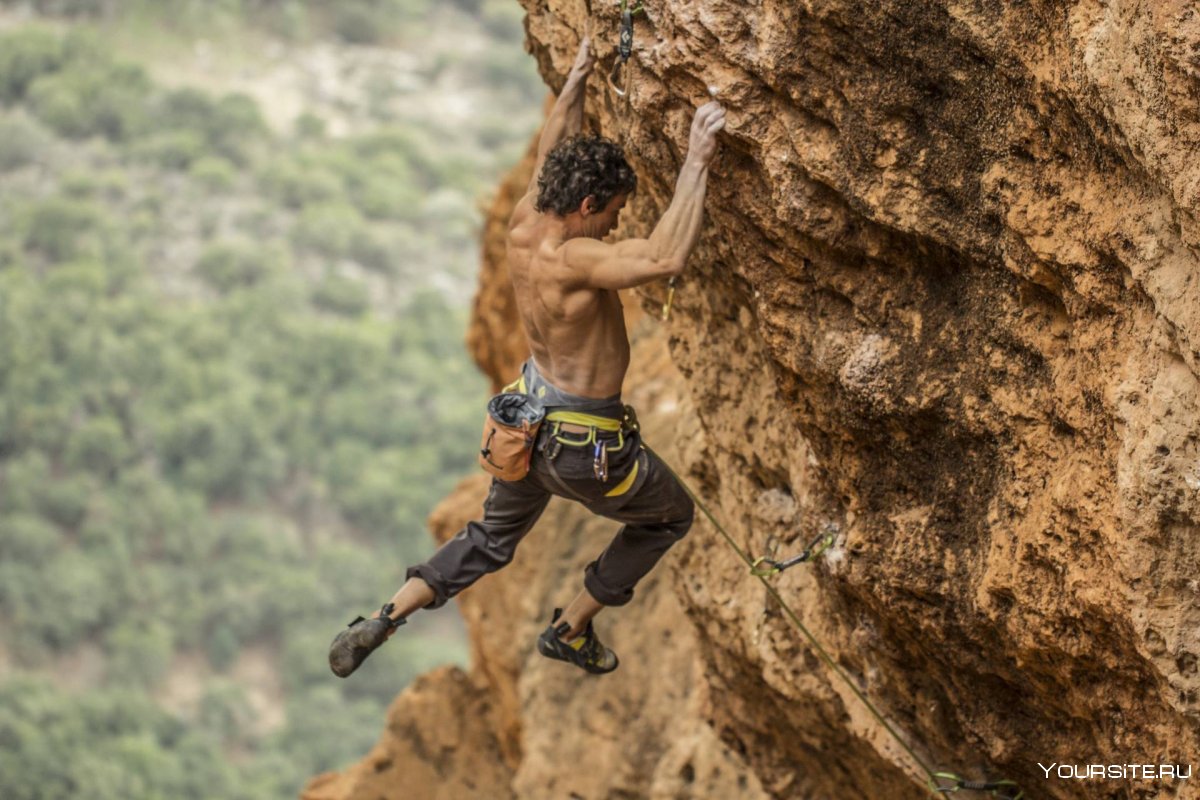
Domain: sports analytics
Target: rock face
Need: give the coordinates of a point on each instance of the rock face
(947, 300)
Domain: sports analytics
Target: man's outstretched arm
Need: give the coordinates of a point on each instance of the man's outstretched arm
(634, 262)
(566, 118)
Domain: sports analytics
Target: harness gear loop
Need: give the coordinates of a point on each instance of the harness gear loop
(817, 546)
(666, 312)
(630, 421)
(625, 46)
(1002, 789)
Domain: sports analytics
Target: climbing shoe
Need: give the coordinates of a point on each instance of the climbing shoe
(352, 646)
(585, 651)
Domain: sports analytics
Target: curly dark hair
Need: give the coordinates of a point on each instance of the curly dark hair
(581, 166)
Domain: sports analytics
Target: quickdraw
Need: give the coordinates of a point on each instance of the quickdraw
(1002, 790)
(625, 46)
(817, 546)
(666, 312)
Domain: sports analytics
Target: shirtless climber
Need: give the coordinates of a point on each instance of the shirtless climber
(566, 281)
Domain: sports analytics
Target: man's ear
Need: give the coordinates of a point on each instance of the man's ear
(588, 206)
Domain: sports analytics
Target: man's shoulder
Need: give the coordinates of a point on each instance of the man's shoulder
(583, 252)
(545, 262)
(524, 213)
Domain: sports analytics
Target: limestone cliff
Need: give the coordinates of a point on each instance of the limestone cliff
(947, 299)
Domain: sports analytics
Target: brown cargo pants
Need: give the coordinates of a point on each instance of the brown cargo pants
(639, 492)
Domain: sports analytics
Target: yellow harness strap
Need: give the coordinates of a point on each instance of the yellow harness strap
(571, 417)
(587, 420)
(624, 486)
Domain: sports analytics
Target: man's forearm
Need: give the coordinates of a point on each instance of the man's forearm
(676, 234)
(566, 118)
(573, 115)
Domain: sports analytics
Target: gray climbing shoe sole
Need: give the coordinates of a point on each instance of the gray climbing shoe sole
(351, 647)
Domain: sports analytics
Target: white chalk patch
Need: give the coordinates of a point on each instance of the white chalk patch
(1192, 476)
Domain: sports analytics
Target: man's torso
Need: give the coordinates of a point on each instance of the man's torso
(577, 333)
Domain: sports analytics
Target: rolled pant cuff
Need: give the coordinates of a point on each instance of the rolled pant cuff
(435, 580)
(603, 594)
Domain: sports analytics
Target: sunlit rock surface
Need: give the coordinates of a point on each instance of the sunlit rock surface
(948, 300)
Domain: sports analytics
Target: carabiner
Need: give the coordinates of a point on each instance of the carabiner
(624, 47)
(817, 546)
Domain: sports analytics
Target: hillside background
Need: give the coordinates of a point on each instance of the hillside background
(238, 242)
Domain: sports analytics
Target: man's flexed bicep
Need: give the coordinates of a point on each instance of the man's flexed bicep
(632, 262)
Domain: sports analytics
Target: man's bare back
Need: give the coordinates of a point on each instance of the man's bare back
(576, 331)
(567, 280)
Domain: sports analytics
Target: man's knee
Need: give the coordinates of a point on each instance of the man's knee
(496, 561)
(486, 552)
(600, 591)
(684, 515)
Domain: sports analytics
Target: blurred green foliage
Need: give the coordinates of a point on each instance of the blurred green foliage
(229, 397)
(351, 21)
(118, 744)
(22, 142)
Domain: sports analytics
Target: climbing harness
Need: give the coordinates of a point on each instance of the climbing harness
(1002, 790)
(934, 786)
(625, 46)
(817, 546)
(592, 425)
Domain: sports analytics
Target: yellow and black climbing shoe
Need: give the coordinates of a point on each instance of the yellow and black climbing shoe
(352, 646)
(584, 651)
